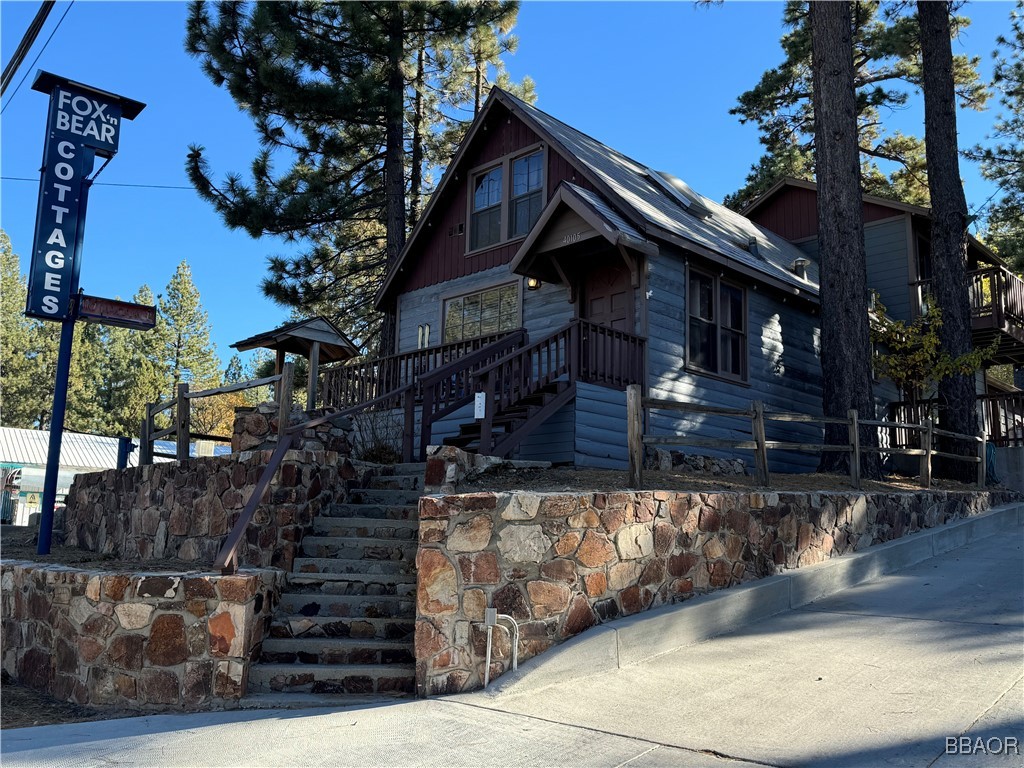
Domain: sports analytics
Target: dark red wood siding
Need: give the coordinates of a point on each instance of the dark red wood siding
(440, 254)
(792, 213)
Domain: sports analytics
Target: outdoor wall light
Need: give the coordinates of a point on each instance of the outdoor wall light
(532, 283)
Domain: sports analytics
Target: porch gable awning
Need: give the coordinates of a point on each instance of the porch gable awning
(298, 338)
(573, 216)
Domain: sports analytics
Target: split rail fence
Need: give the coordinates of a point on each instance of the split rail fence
(180, 429)
(760, 445)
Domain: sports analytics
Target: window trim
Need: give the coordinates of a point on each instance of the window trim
(505, 162)
(444, 298)
(716, 323)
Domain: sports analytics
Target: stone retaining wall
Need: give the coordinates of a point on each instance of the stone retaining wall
(255, 429)
(138, 641)
(184, 509)
(560, 563)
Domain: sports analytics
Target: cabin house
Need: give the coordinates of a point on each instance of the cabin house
(550, 271)
(897, 249)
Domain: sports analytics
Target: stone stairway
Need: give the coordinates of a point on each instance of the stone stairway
(345, 624)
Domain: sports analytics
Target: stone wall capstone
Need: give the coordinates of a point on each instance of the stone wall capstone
(149, 641)
(560, 563)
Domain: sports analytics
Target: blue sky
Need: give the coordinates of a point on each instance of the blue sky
(654, 80)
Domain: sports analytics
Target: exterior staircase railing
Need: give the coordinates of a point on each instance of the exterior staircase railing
(368, 378)
(579, 351)
(504, 369)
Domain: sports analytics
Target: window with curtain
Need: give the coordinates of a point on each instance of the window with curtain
(481, 314)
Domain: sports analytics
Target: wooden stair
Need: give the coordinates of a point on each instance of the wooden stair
(513, 424)
(345, 624)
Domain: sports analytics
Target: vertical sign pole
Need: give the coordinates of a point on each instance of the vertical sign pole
(60, 399)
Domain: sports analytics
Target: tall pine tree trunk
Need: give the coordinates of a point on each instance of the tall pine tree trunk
(394, 161)
(845, 339)
(957, 396)
(416, 162)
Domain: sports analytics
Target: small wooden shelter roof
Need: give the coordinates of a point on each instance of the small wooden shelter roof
(298, 338)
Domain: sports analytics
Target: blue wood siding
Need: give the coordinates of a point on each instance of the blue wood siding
(782, 348)
(543, 310)
(885, 247)
(553, 440)
(600, 427)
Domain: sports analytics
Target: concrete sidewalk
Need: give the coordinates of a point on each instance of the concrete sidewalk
(879, 674)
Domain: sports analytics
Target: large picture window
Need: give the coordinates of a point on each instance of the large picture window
(506, 200)
(482, 314)
(717, 330)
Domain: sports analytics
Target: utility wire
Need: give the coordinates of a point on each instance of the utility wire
(106, 183)
(30, 66)
(26, 44)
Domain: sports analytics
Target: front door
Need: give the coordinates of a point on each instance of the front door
(608, 295)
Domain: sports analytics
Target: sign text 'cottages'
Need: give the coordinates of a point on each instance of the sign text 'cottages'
(83, 123)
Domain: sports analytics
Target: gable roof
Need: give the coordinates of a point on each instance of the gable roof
(298, 338)
(914, 210)
(656, 204)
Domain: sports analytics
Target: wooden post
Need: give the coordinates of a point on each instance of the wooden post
(314, 372)
(183, 424)
(284, 397)
(426, 420)
(761, 450)
(854, 448)
(634, 435)
(926, 457)
(983, 455)
(487, 423)
(409, 403)
(145, 442)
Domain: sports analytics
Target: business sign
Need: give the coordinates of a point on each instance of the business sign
(124, 314)
(83, 123)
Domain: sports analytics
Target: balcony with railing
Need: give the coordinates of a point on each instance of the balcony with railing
(997, 311)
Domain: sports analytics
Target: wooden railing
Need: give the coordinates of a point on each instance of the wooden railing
(227, 558)
(579, 351)
(993, 292)
(365, 379)
(1002, 418)
(452, 386)
(760, 445)
(609, 357)
(180, 430)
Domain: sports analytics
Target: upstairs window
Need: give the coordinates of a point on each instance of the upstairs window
(485, 222)
(482, 314)
(527, 180)
(717, 327)
(506, 199)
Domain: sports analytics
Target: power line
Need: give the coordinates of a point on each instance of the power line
(26, 44)
(30, 66)
(107, 183)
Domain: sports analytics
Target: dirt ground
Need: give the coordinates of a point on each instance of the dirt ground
(22, 707)
(571, 480)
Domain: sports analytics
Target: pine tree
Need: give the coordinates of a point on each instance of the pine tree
(845, 342)
(187, 353)
(26, 351)
(957, 397)
(886, 56)
(1003, 162)
(327, 85)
